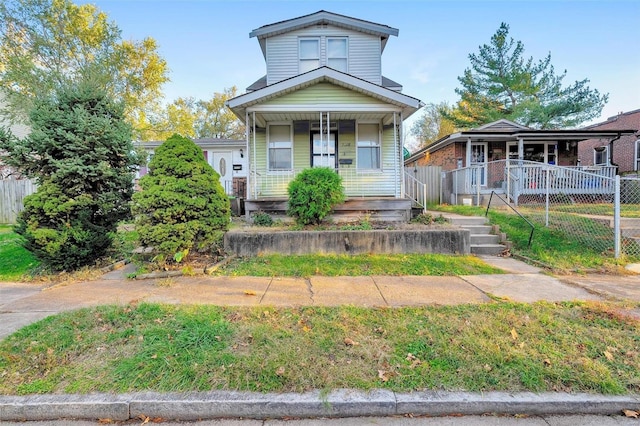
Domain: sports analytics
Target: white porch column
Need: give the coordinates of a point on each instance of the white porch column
(396, 166)
(467, 162)
(255, 171)
(520, 149)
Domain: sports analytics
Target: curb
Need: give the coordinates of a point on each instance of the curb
(338, 403)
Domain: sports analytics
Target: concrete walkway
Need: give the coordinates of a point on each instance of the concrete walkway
(22, 304)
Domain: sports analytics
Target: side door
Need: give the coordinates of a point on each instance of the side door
(222, 163)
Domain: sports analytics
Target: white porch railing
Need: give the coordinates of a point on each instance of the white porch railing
(519, 177)
(356, 183)
(415, 190)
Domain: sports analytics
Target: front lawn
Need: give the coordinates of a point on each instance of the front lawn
(572, 347)
(15, 260)
(358, 265)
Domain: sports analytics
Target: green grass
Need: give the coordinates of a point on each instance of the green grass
(626, 210)
(554, 247)
(574, 347)
(15, 260)
(342, 265)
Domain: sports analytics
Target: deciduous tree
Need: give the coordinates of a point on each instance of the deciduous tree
(431, 125)
(501, 83)
(45, 44)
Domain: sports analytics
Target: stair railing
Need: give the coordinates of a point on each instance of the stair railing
(515, 211)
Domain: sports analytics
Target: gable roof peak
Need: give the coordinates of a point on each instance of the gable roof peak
(502, 124)
(323, 17)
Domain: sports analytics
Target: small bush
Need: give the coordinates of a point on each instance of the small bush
(262, 219)
(423, 218)
(313, 194)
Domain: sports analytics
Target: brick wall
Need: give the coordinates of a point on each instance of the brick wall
(624, 149)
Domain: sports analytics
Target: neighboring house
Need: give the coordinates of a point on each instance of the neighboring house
(18, 130)
(227, 156)
(324, 102)
(623, 153)
(509, 158)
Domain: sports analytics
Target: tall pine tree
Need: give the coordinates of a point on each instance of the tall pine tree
(501, 83)
(81, 155)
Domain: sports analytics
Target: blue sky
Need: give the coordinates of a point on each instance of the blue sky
(207, 44)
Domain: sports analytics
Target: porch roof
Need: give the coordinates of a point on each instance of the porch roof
(486, 134)
(251, 101)
(204, 143)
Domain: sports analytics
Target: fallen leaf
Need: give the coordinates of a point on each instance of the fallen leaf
(306, 329)
(411, 357)
(415, 363)
(280, 371)
(105, 421)
(487, 367)
(350, 342)
(250, 292)
(547, 362)
(631, 413)
(514, 334)
(609, 355)
(154, 356)
(383, 375)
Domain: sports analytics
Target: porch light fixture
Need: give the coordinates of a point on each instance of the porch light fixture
(241, 153)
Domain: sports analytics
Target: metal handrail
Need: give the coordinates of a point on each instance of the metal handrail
(516, 212)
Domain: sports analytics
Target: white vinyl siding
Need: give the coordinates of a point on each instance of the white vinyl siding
(363, 53)
(368, 156)
(280, 147)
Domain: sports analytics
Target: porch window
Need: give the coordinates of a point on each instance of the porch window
(637, 155)
(280, 152)
(368, 146)
(337, 54)
(601, 155)
(309, 52)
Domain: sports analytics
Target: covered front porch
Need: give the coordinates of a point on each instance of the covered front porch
(517, 179)
(325, 118)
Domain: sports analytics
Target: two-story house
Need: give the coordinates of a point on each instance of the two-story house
(324, 102)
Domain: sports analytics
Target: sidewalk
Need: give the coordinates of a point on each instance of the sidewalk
(22, 304)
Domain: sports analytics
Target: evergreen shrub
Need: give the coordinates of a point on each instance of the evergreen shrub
(182, 204)
(313, 194)
(80, 154)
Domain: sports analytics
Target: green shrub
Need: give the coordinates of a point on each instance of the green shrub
(313, 194)
(182, 204)
(262, 219)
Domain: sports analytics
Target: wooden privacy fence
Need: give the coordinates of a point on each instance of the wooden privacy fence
(12, 193)
(431, 176)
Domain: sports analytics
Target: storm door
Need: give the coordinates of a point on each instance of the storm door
(323, 150)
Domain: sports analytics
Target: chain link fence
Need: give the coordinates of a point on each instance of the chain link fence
(588, 204)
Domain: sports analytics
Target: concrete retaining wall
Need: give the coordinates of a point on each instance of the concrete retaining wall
(446, 241)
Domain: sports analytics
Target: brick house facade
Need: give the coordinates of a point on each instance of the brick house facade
(626, 150)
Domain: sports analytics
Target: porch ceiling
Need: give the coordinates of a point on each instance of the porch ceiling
(315, 116)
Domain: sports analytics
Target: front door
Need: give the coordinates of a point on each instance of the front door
(323, 150)
(478, 163)
(221, 162)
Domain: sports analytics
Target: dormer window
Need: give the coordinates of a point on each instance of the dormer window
(337, 53)
(309, 52)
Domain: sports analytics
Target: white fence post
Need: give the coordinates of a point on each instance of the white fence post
(616, 218)
(546, 209)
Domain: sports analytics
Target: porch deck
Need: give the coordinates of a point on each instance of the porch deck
(376, 209)
(517, 178)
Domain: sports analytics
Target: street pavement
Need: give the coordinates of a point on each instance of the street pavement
(25, 303)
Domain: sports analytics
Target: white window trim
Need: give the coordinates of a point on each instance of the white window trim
(380, 135)
(319, 58)
(285, 123)
(606, 156)
(637, 156)
(346, 58)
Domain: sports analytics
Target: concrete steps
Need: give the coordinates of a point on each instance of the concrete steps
(484, 240)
